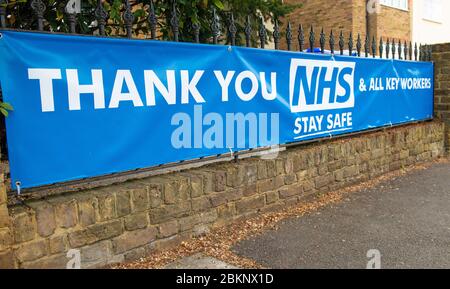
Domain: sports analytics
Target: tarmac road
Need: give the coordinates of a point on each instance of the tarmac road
(406, 219)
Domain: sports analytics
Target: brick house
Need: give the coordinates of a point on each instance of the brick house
(383, 18)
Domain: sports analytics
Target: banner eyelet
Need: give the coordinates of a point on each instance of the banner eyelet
(18, 186)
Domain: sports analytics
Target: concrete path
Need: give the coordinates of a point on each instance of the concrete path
(407, 220)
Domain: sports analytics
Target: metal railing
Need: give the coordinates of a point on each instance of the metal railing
(368, 47)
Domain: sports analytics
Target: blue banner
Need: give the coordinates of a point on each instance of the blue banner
(91, 106)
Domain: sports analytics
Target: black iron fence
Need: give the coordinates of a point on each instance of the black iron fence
(354, 45)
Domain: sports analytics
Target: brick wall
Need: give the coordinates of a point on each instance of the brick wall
(127, 221)
(6, 255)
(336, 15)
(441, 57)
(391, 23)
(350, 16)
(359, 20)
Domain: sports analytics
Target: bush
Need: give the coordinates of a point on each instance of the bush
(188, 11)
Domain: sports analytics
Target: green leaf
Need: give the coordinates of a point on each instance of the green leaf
(219, 4)
(139, 13)
(4, 112)
(6, 106)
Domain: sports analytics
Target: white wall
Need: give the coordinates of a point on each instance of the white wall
(427, 31)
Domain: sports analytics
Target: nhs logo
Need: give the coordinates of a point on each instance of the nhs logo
(317, 85)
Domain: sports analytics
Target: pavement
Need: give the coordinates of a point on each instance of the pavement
(406, 220)
(199, 261)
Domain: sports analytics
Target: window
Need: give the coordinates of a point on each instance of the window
(432, 10)
(399, 4)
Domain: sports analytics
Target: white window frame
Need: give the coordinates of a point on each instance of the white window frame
(398, 4)
(432, 10)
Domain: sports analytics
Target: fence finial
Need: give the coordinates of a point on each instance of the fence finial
(415, 51)
(102, 16)
(411, 50)
(248, 32)
(332, 42)
(421, 52)
(232, 29)
(174, 22)
(128, 18)
(312, 39)
(380, 47)
(39, 8)
(374, 47)
(341, 43)
(350, 44)
(215, 26)
(196, 28)
(393, 48)
(301, 38)
(367, 46)
(71, 17)
(388, 48)
(289, 36)
(152, 20)
(358, 45)
(262, 33)
(276, 35)
(322, 41)
(405, 51)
